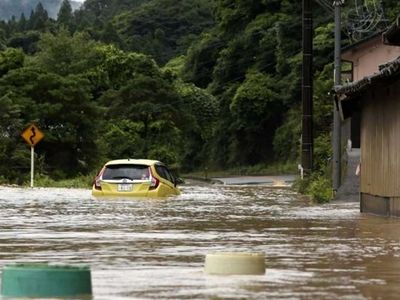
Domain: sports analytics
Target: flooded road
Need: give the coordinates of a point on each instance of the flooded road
(152, 249)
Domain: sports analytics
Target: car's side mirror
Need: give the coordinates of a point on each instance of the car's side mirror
(179, 180)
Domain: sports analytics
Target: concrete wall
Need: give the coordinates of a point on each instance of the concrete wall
(382, 206)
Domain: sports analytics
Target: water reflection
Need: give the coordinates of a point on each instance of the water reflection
(155, 249)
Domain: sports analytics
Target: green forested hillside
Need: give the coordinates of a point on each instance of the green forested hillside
(197, 84)
(161, 28)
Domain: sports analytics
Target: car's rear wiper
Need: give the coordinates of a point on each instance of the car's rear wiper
(122, 177)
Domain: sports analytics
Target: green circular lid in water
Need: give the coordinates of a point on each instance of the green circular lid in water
(43, 280)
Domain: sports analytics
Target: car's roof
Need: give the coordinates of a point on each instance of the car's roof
(129, 161)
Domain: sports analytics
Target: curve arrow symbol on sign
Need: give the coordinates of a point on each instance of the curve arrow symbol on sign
(33, 135)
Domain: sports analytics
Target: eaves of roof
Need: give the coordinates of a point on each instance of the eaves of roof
(348, 97)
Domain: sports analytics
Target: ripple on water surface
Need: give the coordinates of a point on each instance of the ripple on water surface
(154, 249)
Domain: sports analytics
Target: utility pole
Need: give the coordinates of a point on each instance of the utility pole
(336, 135)
(307, 90)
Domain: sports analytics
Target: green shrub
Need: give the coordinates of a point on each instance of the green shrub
(78, 182)
(320, 189)
(317, 186)
(301, 185)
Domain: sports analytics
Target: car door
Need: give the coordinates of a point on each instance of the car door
(168, 179)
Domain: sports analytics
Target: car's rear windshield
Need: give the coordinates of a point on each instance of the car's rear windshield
(127, 171)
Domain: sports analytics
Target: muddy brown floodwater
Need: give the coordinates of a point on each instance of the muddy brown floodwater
(152, 249)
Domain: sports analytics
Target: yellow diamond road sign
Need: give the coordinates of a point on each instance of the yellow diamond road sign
(32, 135)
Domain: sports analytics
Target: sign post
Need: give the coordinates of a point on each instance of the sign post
(32, 135)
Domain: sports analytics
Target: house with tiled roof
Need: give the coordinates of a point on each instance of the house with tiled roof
(375, 98)
(364, 58)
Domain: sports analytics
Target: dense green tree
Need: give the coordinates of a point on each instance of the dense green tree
(65, 17)
(148, 98)
(14, 157)
(201, 59)
(391, 8)
(95, 15)
(12, 24)
(62, 107)
(233, 16)
(118, 67)
(177, 25)
(64, 54)
(39, 18)
(66, 113)
(202, 112)
(27, 41)
(246, 62)
(323, 45)
(124, 139)
(10, 59)
(256, 109)
(110, 35)
(22, 24)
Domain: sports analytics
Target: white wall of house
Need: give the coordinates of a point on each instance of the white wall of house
(369, 55)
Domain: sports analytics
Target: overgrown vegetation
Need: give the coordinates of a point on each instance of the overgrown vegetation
(83, 182)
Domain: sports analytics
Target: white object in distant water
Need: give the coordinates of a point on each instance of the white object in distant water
(235, 263)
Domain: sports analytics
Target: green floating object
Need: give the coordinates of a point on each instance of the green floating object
(45, 281)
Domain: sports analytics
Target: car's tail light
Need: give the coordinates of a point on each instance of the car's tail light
(97, 180)
(154, 182)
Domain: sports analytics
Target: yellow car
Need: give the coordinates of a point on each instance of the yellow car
(135, 178)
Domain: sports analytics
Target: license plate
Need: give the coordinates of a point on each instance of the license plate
(125, 187)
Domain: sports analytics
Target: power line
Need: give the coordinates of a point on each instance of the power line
(364, 19)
